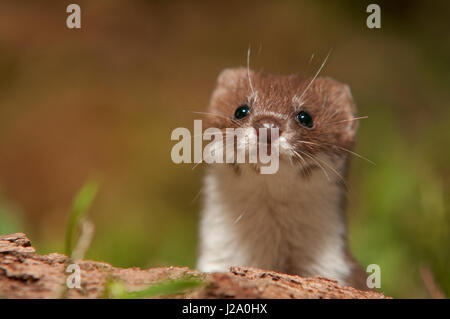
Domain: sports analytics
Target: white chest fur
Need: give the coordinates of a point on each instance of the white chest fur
(280, 222)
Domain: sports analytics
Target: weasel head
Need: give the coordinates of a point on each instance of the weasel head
(314, 116)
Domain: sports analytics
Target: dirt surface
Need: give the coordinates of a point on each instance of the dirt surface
(25, 274)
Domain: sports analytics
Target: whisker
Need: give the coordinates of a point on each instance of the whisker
(305, 166)
(239, 217)
(223, 131)
(248, 71)
(194, 199)
(207, 113)
(325, 100)
(307, 67)
(299, 156)
(290, 158)
(196, 164)
(341, 148)
(315, 76)
(350, 120)
(323, 169)
(336, 112)
(244, 212)
(351, 152)
(219, 115)
(335, 171)
(323, 162)
(216, 149)
(312, 57)
(305, 142)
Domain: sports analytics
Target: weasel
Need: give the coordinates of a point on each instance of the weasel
(292, 221)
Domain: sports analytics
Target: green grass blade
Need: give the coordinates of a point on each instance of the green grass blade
(80, 206)
(170, 287)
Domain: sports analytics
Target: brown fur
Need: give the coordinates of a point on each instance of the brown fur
(278, 99)
(328, 101)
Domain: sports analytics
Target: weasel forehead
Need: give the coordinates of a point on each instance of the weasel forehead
(274, 114)
(297, 100)
(252, 98)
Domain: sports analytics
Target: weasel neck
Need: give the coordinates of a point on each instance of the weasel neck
(287, 222)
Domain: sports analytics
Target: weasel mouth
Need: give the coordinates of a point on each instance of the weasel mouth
(267, 136)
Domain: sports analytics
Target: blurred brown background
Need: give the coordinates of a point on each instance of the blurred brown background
(102, 102)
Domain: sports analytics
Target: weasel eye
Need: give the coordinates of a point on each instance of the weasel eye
(241, 112)
(305, 119)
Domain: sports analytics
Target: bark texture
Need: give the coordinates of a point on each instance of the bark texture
(25, 274)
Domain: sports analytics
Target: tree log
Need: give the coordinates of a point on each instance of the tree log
(25, 274)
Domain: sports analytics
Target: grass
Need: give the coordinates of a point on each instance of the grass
(123, 104)
(117, 290)
(80, 206)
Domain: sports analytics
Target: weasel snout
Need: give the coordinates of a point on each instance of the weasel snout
(268, 123)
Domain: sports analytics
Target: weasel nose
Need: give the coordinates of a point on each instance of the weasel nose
(267, 123)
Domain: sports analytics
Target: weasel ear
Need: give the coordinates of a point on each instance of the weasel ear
(342, 100)
(338, 92)
(230, 77)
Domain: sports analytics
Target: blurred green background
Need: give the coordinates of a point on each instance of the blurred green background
(102, 101)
